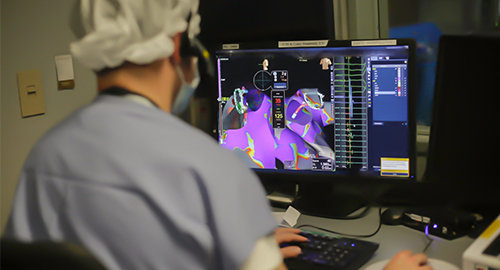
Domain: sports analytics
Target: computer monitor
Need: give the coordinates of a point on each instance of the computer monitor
(248, 21)
(464, 141)
(319, 111)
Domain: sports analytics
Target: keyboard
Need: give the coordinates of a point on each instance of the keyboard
(323, 252)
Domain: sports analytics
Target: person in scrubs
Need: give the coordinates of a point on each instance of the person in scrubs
(127, 179)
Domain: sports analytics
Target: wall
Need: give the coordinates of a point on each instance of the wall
(452, 16)
(33, 32)
(361, 19)
(0, 106)
(456, 17)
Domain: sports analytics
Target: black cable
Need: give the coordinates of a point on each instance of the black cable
(345, 234)
(428, 244)
(430, 239)
(360, 215)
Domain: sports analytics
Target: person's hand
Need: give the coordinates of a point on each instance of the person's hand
(406, 260)
(284, 235)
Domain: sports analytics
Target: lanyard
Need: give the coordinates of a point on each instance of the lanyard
(122, 92)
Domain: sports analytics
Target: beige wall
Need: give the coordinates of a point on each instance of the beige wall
(32, 33)
(1, 223)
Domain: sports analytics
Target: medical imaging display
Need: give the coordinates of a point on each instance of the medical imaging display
(334, 109)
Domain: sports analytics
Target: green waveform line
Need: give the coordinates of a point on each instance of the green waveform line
(350, 162)
(349, 108)
(351, 141)
(340, 124)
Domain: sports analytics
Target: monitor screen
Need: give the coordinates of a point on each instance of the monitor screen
(333, 107)
(463, 143)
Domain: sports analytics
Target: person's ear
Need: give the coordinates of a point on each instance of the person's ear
(177, 49)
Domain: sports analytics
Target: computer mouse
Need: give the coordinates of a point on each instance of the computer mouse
(392, 216)
(437, 264)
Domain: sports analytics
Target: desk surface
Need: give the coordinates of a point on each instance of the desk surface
(392, 239)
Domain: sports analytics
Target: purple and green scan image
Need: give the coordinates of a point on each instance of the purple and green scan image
(247, 129)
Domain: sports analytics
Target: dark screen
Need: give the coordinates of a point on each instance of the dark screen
(258, 20)
(464, 143)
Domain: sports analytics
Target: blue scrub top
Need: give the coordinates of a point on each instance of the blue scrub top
(140, 189)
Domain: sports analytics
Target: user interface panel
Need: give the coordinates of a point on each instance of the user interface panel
(330, 109)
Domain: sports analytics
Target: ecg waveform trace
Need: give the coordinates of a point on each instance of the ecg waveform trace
(349, 95)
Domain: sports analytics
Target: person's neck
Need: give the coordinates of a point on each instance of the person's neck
(155, 81)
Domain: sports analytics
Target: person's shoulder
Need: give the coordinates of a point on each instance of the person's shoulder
(59, 136)
(115, 131)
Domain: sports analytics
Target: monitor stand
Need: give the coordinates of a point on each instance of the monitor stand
(324, 195)
(327, 200)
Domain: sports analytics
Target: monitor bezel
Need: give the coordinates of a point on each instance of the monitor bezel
(449, 149)
(297, 176)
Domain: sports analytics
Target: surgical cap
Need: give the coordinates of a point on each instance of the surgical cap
(137, 31)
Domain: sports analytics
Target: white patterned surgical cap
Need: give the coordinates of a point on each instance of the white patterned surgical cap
(137, 31)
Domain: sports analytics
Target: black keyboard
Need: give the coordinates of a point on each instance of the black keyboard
(323, 252)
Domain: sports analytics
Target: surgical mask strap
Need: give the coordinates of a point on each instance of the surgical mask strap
(187, 89)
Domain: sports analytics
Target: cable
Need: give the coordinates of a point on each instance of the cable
(358, 216)
(430, 239)
(345, 234)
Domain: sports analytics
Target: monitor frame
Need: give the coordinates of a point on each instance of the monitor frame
(316, 192)
(452, 154)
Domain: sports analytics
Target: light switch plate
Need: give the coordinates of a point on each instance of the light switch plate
(31, 92)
